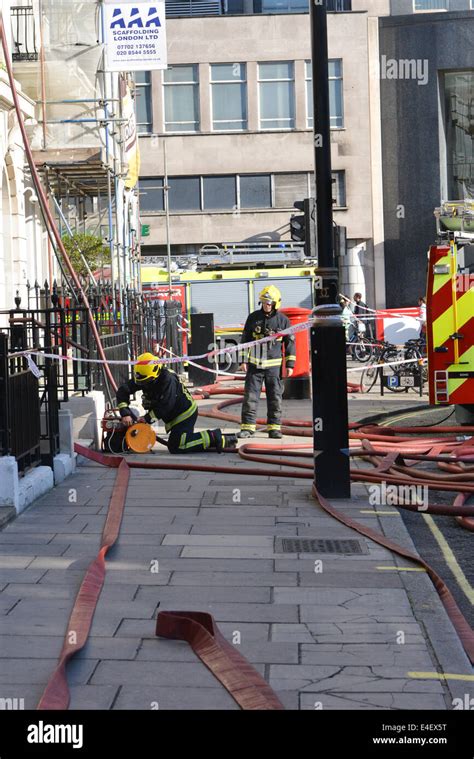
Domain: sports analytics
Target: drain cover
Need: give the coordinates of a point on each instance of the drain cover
(308, 545)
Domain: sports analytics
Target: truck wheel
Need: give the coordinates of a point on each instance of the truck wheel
(465, 414)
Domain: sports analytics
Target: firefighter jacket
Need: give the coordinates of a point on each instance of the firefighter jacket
(165, 398)
(269, 354)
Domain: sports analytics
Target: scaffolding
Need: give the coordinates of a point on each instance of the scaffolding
(79, 143)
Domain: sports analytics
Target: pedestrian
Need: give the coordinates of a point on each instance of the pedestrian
(264, 363)
(347, 318)
(166, 397)
(363, 312)
(422, 317)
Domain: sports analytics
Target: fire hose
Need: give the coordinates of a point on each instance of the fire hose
(392, 454)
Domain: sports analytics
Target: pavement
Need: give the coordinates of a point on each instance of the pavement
(327, 631)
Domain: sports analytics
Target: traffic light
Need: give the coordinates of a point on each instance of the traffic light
(303, 228)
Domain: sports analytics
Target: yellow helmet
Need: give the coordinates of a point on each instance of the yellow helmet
(271, 294)
(144, 373)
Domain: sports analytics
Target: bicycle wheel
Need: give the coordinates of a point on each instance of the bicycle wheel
(415, 355)
(363, 351)
(393, 371)
(369, 377)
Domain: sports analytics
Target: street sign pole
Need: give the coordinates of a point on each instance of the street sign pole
(328, 340)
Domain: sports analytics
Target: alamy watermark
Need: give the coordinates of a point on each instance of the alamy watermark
(391, 495)
(404, 68)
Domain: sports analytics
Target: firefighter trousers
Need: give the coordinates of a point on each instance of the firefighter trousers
(183, 439)
(253, 387)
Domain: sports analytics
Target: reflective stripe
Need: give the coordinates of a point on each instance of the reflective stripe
(122, 405)
(273, 427)
(251, 427)
(182, 417)
(265, 363)
(204, 441)
(290, 358)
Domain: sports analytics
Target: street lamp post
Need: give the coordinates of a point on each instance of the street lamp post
(328, 340)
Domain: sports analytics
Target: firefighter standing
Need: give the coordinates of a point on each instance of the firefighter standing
(264, 363)
(166, 398)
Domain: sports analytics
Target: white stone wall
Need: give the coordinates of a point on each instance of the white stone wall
(19, 260)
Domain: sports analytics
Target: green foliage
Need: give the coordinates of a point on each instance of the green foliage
(93, 248)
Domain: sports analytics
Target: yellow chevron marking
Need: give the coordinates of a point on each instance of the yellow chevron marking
(444, 325)
(439, 280)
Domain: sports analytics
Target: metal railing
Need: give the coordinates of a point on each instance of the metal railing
(24, 33)
(53, 323)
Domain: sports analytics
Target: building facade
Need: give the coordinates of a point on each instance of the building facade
(81, 120)
(234, 111)
(427, 99)
(21, 254)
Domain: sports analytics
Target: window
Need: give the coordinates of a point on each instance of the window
(143, 102)
(181, 91)
(284, 6)
(290, 187)
(151, 195)
(212, 193)
(338, 188)
(336, 96)
(255, 191)
(459, 109)
(276, 95)
(430, 5)
(229, 96)
(184, 193)
(219, 193)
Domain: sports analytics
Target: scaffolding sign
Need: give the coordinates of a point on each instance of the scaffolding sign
(135, 35)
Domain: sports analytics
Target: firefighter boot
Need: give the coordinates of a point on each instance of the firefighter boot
(246, 433)
(275, 434)
(217, 440)
(230, 441)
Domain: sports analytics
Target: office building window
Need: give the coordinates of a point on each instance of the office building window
(430, 5)
(255, 191)
(151, 195)
(284, 6)
(143, 102)
(229, 96)
(459, 94)
(276, 95)
(289, 188)
(219, 193)
(184, 193)
(336, 95)
(338, 188)
(181, 91)
(229, 192)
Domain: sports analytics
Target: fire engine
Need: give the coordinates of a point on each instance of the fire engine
(225, 280)
(450, 310)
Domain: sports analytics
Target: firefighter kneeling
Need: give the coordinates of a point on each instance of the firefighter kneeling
(166, 398)
(264, 363)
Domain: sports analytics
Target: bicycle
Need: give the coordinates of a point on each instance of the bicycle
(399, 365)
(360, 346)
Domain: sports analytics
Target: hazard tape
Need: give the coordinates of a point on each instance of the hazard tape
(363, 367)
(174, 359)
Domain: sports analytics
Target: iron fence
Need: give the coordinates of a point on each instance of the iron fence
(53, 322)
